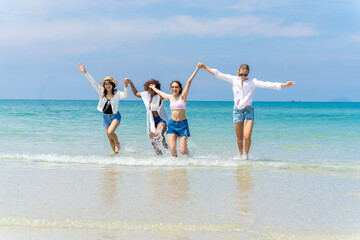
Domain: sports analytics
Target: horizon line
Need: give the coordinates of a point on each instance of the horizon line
(135, 100)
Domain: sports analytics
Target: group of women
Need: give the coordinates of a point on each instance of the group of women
(177, 127)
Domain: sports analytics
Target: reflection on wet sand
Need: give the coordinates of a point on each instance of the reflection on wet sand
(170, 186)
(170, 191)
(179, 185)
(108, 236)
(109, 188)
(109, 195)
(167, 198)
(243, 191)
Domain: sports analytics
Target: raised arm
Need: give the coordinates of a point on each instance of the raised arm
(288, 84)
(162, 94)
(126, 91)
(188, 83)
(226, 77)
(206, 68)
(90, 78)
(82, 68)
(133, 88)
(272, 85)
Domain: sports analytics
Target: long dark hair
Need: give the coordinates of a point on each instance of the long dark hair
(180, 85)
(152, 81)
(113, 89)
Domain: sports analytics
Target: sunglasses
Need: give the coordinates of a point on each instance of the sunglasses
(243, 75)
(174, 86)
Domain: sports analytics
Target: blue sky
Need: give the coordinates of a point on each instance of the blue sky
(314, 43)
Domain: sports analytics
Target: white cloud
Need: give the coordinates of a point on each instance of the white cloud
(99, 33)
(80, 26)
(241, 5)
(46, 7)
(256, 5)
(354, 38)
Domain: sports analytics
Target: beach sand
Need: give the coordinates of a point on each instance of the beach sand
(96, 201)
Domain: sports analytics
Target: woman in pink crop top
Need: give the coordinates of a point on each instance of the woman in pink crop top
(179, 104)
(178, 125)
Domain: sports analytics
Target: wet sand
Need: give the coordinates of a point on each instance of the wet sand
(93, 201)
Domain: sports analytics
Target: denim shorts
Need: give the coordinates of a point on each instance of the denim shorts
(180, 128)
(108, 118)
(239, 115)
(158, 120)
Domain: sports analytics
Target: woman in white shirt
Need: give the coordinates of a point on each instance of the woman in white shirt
(155, 114)
(108, 104)
(243, 89)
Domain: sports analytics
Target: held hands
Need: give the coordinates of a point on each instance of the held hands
(152, 86)
(203, 66)
(126, 82)
(82, 68)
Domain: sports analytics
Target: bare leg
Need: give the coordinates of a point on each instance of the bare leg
(161, 129)
(155, 143)
(158, 137)
(110, 131)
(248, 127)
(183, 145)
(112, 142)
(239, 130)
(172, 144)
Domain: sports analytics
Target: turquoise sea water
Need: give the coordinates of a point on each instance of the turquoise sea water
(60, 180)
(286, 134)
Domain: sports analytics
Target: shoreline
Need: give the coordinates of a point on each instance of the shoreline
(189, 203)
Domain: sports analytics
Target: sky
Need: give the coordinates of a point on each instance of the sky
(314, 43)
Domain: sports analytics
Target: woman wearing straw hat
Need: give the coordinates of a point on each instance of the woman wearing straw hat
(108, 104)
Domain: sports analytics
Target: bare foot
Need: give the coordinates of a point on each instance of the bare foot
(117, 148)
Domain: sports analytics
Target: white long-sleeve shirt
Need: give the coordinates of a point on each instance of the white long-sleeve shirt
(243, 94)
(102, 100)
(154, 106)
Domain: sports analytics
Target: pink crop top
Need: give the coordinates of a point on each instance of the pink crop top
(179, 104)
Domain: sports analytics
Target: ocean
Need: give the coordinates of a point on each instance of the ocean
(59, 178)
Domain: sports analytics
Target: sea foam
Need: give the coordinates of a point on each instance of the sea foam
(147, 160)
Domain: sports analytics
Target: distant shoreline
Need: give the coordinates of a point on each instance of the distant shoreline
(132, 100)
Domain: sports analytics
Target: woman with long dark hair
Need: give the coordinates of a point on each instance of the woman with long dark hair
(109, 98)
(155, 114)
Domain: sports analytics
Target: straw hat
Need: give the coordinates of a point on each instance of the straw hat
(108, 79)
